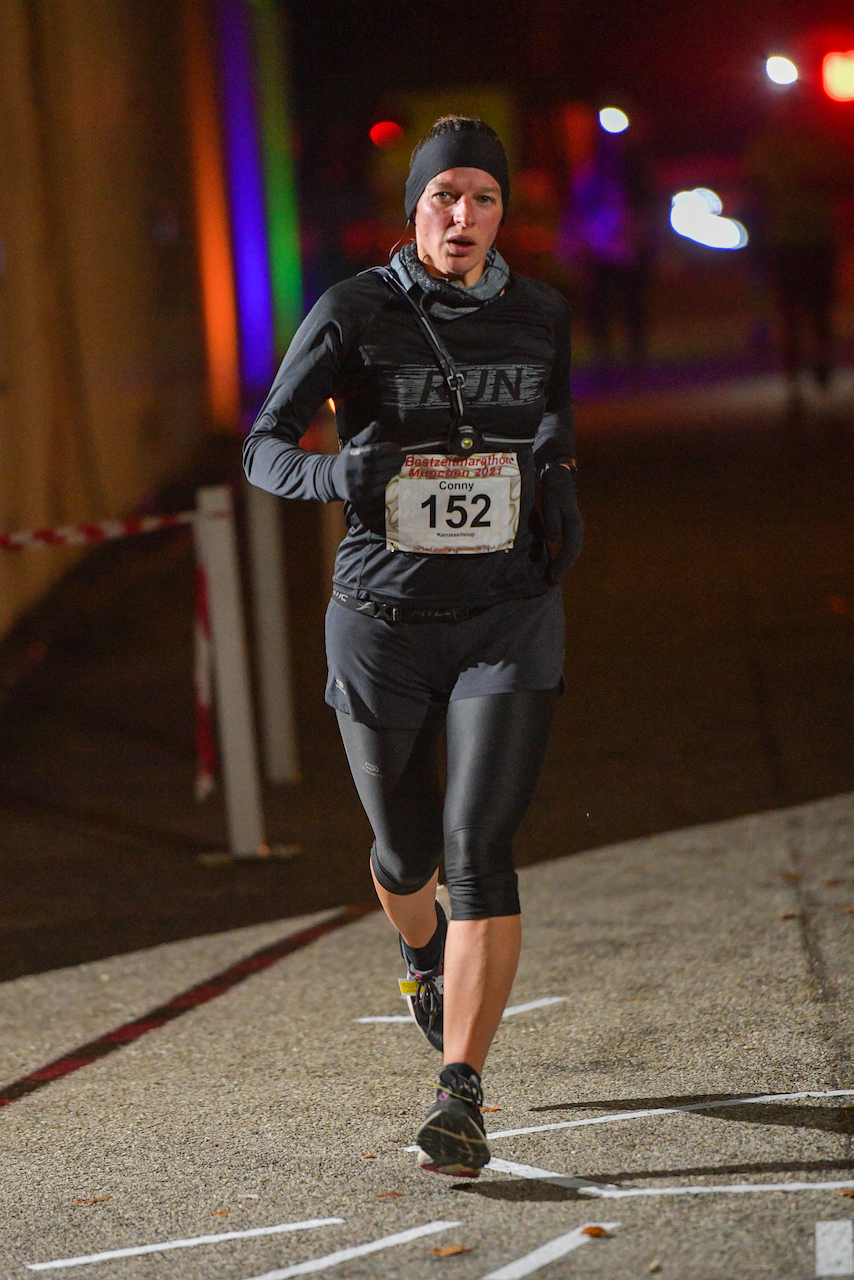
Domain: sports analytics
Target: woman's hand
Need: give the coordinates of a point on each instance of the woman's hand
(363, 468)
(561, 517)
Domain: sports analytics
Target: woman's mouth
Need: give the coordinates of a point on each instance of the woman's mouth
(460, 244)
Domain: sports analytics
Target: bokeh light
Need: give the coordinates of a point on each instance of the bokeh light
(837, 74)
(781, 70)
(386, 133)
(697, 216)
(613, 120)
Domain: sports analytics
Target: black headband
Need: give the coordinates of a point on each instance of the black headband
(469, 149)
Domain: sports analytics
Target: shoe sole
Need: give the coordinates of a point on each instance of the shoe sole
(453, 1142)
(428, 1165)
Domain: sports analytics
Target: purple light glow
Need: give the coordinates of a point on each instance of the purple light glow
(246, 192)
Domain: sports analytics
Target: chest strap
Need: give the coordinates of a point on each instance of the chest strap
(454, 379)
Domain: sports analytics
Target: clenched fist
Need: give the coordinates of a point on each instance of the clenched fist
(561, 517)
(364, 467)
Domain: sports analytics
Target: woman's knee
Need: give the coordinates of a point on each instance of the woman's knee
(398, 871)
(481, 878)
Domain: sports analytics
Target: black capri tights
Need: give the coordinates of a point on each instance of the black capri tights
(496, 745)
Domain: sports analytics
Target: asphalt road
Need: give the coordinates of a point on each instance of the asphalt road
(689, 1087)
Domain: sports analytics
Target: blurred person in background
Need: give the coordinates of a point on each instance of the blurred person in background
(446, 610)
(607, 235)
(795, 172)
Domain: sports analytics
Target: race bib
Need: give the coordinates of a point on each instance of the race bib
(441, 505)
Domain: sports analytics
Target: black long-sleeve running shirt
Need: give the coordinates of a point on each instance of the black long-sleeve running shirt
(361, 345)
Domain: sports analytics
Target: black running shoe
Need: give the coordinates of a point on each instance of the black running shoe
(452, 1138)
(423, 989)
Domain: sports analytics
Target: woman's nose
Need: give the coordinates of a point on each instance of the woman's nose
(463, 210)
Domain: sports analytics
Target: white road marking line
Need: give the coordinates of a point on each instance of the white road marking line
(533, 1004)
(508, 1013)
(359, 1251)
(742, 1188)
(547, 1253)
(668, 1111)
(605, 1191)
(543, 1175)
(220, 1236)
(834, 1248)
(395, 1017)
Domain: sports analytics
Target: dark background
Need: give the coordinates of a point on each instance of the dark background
(696, 69)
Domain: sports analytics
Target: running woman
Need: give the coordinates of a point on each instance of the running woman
(450, 378)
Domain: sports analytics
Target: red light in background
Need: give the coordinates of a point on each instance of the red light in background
(386, 134)
(837, 73)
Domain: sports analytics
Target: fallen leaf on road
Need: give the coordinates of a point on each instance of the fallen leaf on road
(94, 1200)
(219, 1213)
(450, 1249)
(390, 1195)
(654, 1266)
(831, 884)
(849, 911)
(594, 1231)
(849, 1192)
(791, 876)
(490, 1108)
(790, 915)
(369, 1155)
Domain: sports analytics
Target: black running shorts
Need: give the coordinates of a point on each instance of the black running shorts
(386, 674)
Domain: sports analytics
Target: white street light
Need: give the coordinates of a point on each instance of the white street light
(781, 70)
(613, 120)
(697, 215)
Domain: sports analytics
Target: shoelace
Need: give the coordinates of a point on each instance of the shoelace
(464, 1088)
(428, 996)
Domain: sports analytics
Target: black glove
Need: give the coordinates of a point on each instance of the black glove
(561, 517)
(363, 469)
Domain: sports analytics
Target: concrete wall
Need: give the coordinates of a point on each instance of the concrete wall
(101, 365)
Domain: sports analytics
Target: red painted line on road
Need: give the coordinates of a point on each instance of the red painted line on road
(183, 1003)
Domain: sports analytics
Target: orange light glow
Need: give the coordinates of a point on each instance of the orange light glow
(331, 404)
(837, 73)
(212, 221)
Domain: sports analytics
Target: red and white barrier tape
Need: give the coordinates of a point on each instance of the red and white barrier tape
(203, 680)
(78, 535)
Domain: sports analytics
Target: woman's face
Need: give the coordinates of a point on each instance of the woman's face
(456, 220)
